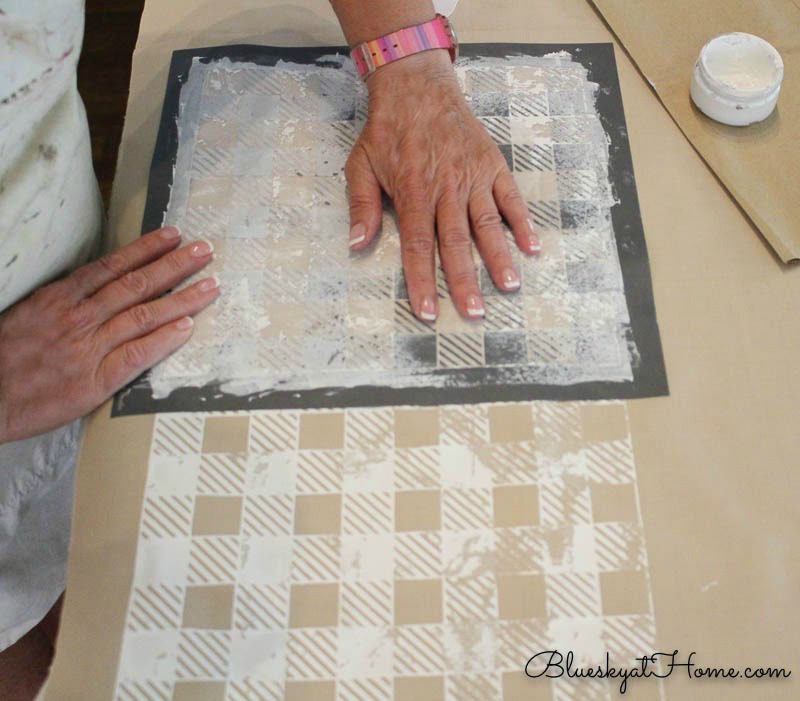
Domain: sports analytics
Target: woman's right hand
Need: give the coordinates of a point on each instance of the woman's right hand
(72, 344)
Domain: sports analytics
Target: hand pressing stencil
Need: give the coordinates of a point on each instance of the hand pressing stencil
(449, 183)
(69, 346)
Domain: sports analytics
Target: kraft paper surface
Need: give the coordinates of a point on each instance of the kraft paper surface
(759, 164)
(715, 475)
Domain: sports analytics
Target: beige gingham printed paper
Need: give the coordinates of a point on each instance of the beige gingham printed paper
(388, 554)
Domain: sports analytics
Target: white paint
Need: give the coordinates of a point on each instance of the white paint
(309, 244)
(737, 79)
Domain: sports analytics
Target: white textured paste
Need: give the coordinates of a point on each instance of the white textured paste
(259, 172)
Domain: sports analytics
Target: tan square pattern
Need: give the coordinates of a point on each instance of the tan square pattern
(418, 510)
(418, 688)
(217, 515)
(225, 434)
(510, 423)
(208, 607)
(521, 596)
(317, 513)
(516, 506)
(313, 605)
(322, 431)
(519, 687)
(416, 427)
(310, 691)
(199, 691)
(418, 601)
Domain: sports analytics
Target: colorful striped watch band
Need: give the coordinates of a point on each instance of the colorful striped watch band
(435, 34)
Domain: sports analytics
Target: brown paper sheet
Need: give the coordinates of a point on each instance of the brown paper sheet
(716, 461)
(759, 164)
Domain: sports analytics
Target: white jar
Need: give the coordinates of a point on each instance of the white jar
(737, 79)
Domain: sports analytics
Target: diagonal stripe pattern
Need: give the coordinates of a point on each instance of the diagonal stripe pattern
(268, 515)
(178, 434)
(533, 157)
(167, 517)
(261, 607)
(213, 559)
(203, 654)
(366, 604)
(254, 690)
(460, 350)
(221, 474)
(147, 690)
(155, 607)
(369, 512)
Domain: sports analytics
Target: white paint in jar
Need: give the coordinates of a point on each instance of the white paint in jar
(737, 79)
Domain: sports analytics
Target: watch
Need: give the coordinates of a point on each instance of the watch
(437, 33)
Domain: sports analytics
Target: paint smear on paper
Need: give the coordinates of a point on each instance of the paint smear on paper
(259, 172)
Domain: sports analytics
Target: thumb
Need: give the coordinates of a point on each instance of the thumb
(366, 210)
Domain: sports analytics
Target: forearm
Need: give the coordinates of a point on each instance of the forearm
(362, 20)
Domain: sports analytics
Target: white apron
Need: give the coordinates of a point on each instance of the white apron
(50, 221)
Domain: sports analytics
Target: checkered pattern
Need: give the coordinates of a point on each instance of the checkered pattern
(260, 173)
(385, 554)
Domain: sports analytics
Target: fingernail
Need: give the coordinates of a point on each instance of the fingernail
(357, 234)
(170, 233)
(427, 310)
(510, 279)
(533, 239)
(183, 324)
(210, 283)
(475, 307)
(204, 248)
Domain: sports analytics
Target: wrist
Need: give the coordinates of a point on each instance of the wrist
(419, 69)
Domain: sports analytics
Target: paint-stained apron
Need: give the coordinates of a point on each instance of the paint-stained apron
(50, 221)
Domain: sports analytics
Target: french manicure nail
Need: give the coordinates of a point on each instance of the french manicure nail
(357, 234)
(510, 279)
(184, 324)
(533, 238)
(170, 233)
(475, 307)
(210, 283)
(427, 310)
(202, 249)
